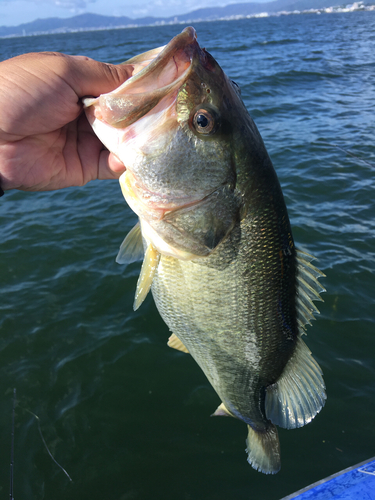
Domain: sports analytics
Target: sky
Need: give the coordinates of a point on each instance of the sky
(15, 12)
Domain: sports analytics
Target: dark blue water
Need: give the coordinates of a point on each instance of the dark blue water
(126, 416)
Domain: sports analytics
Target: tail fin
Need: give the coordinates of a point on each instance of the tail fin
(263, 449)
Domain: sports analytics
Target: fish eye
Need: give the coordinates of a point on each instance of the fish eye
(204, 122)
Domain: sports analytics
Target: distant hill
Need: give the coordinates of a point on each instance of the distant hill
(86, 22)
(252, 8)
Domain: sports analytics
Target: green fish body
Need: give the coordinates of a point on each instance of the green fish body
(214, 232)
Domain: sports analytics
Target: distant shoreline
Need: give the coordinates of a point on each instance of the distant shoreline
(23, 30)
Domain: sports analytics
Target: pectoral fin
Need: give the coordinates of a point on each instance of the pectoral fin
(131, 249)
(176, 343)
(149, 266)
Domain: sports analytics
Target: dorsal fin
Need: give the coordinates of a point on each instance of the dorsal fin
(131, 249)
(299, 394)
(176, 343)
(149, 266)
(308, 289)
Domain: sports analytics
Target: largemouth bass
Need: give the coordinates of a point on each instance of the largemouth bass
(214, 234)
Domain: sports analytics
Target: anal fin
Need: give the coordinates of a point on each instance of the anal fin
(176, 343)
(149, 266)
(222, 411)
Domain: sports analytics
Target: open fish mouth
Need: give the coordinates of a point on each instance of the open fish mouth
(155, 74)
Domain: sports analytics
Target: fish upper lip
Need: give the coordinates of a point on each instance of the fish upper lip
(182, 41)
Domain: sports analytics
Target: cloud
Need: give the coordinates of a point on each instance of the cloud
(65, 4)
(70, 4)
(169, 7)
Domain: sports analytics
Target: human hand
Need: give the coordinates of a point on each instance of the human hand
(45, 140)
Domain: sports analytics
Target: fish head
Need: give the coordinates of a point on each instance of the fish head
(171, 124)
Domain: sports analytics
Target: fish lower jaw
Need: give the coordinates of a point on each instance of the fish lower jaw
(150, 212)
(149, 205)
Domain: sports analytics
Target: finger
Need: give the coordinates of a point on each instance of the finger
(47, 87)
(110, 167)
(116, 165)
(90, 77)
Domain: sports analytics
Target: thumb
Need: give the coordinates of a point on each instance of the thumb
(91, 78)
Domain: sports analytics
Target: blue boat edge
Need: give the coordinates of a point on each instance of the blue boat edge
(356, 482)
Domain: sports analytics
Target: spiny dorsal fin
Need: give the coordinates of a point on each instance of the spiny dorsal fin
(149, 266)
(308, 289)
(131, 249)
(222, 411)
(176, 343)
(299, 394)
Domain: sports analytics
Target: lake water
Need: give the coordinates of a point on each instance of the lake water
(126, 416)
